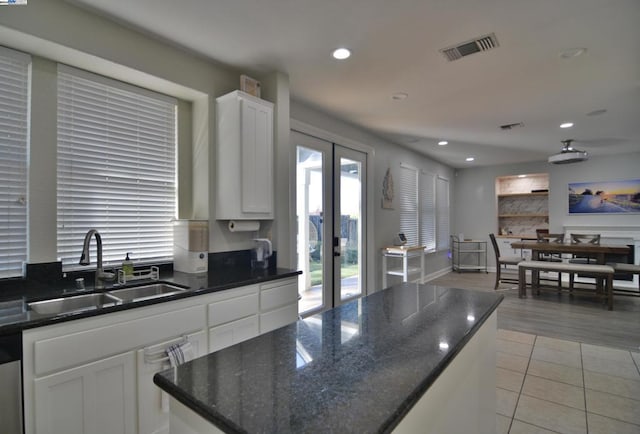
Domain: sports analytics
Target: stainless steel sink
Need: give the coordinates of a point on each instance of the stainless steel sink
(145, 292)
(73, 304)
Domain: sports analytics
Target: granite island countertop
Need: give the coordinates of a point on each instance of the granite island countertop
(357, 368)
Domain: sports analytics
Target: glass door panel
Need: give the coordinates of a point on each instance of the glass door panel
(331, 222)
(313, 198)
(349, 221)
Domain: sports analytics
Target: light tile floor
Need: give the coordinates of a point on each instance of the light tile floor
(547, 385)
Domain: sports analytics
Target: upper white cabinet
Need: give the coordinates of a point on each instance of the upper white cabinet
(244, 161)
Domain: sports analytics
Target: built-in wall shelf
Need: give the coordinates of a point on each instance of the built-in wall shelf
(524, 194)
(524, 215)
(521, 206)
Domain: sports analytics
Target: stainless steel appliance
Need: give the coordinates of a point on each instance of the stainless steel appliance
(11, 383)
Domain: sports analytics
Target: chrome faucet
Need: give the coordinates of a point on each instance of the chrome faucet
(101, 275)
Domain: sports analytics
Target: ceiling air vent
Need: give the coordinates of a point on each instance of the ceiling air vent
(477, 45)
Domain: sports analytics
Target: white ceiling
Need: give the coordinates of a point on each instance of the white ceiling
(395, 49)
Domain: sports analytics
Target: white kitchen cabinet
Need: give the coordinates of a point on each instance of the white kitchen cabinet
(244, 186)
(278, 304)
(153, 404)
(91, 376)
(80, 376)
(504, 244)
(233, 317)
(231, 333)
(98, 397)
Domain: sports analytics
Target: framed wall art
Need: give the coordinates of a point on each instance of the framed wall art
(604, 197)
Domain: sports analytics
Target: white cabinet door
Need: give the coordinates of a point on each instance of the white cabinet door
(257, 157)
(153, 404)
(278, 318)
(504, 244)
(244, 187)
(98, 398)
(233, 332)
(278, 303)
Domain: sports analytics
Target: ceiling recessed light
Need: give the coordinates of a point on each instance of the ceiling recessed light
(572, 52)
(443, 142)
(469, 159)
(341, 53)
(399, 96)
(566, 125)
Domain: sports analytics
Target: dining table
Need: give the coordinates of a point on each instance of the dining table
(597, 251)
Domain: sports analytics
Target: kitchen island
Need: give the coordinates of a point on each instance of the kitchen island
(410, 358)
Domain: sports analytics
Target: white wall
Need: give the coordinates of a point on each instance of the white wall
(386, 154)
(476, 204)
(56, 31)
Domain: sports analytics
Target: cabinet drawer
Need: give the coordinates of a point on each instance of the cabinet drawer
(225, 311)
(232, 333)
(278, 318)
(74, 349)
(278, 294)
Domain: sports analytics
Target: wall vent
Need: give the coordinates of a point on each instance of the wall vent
(467, 48)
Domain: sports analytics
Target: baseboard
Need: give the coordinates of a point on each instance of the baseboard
(436, 274)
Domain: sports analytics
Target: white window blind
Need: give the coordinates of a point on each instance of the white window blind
(442, 204)
(14, 122)
(408, 201)
(116, 168)
(428, 210)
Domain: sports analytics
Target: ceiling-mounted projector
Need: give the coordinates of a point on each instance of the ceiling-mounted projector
(568, 154)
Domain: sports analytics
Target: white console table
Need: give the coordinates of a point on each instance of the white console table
(408, 256)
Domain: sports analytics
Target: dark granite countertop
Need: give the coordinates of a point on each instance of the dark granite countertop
(358, 368)
(15, 315)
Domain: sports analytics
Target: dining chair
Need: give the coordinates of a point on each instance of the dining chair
(593, 239)
(503, 261)
(544, 236)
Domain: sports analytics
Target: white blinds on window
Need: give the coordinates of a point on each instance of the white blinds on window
(442, 203)
(428, 210)
(408, 201)
(14, 120)
(116, 168)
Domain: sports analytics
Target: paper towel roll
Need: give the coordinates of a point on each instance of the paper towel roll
(243, 225)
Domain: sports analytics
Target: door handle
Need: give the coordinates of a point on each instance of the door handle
(336, 246)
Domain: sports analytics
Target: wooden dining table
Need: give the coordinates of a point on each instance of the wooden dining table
(596, 251)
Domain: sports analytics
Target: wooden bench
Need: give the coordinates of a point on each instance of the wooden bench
(604, 272)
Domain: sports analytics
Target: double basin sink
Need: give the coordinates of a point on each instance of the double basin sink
(104, 299)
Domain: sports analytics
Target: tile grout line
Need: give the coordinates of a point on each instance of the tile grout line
(584, 390)
(524, 377)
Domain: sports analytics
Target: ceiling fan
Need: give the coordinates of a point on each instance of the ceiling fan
(568, 154)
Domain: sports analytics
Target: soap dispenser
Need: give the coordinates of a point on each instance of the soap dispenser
(127, 266)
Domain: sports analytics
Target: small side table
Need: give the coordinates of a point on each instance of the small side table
(405, 254)
(468, 249)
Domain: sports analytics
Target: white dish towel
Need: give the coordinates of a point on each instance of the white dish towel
(180, 353)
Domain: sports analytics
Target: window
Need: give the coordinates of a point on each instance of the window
(424, 208)
(14, 133)
(116, 168)
(442, 219)
(428, 210)
(408, 201)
